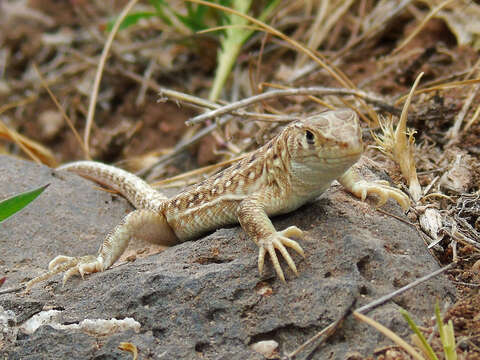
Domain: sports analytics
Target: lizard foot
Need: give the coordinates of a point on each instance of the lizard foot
(71, 266)
(75, 265)
(383, 190)
(280, 240)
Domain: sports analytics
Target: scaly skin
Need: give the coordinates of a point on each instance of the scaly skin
(293, 168)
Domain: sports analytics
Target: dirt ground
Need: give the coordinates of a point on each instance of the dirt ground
(135, 127)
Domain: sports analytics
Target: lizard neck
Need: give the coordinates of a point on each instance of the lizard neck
(308, 183)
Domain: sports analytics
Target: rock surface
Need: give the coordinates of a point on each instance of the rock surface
(205, 299)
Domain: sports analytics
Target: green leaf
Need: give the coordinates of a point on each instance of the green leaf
(130, 20)
(16, 203)
(159, 5)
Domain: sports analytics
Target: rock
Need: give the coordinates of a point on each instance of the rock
(267, 348)
(49, 226)
(205, 298)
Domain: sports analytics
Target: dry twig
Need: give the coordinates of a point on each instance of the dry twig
(314, 90)
(98, 75)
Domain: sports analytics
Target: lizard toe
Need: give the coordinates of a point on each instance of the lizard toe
(293, 245)
(90, 266)
(385, 191)
(69, 273)
(261, 259)
(83, 265)
(381, 189)
(279, 242)
(265, 246)
(60, 259)
(292, 231)
(280, 247)
(275, 262)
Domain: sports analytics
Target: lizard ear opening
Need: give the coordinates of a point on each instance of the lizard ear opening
(310, 137)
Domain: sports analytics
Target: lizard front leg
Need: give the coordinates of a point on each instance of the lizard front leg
(255, 222)
(354, 183)
(141, 224)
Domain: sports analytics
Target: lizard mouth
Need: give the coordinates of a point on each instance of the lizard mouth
(335, 157)
(341, 158)
(352, 154)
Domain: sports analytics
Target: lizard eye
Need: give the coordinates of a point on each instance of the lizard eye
(310, 137)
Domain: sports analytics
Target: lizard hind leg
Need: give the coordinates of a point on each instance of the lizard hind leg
(144, 224)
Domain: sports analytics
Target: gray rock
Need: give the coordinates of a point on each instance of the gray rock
(205, 299)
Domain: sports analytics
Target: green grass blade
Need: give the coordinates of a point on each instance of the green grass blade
(16, 203)
(447, 335)
(416, 330)
(195, 18)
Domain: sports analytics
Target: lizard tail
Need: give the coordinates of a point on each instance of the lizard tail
(137, 191)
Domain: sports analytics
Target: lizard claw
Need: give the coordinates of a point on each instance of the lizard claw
(71, 266)
(82, 265)
(60, 259)
(383, 190)
(280, 240)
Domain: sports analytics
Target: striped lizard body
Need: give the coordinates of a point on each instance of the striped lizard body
(292, 169)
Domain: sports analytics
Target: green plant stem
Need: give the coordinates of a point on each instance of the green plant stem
(447, 335)
(232, 42)
(416, 330)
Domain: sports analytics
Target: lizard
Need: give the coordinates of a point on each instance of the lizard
(293, 168)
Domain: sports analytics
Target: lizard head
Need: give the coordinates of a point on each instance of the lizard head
(331, 141)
